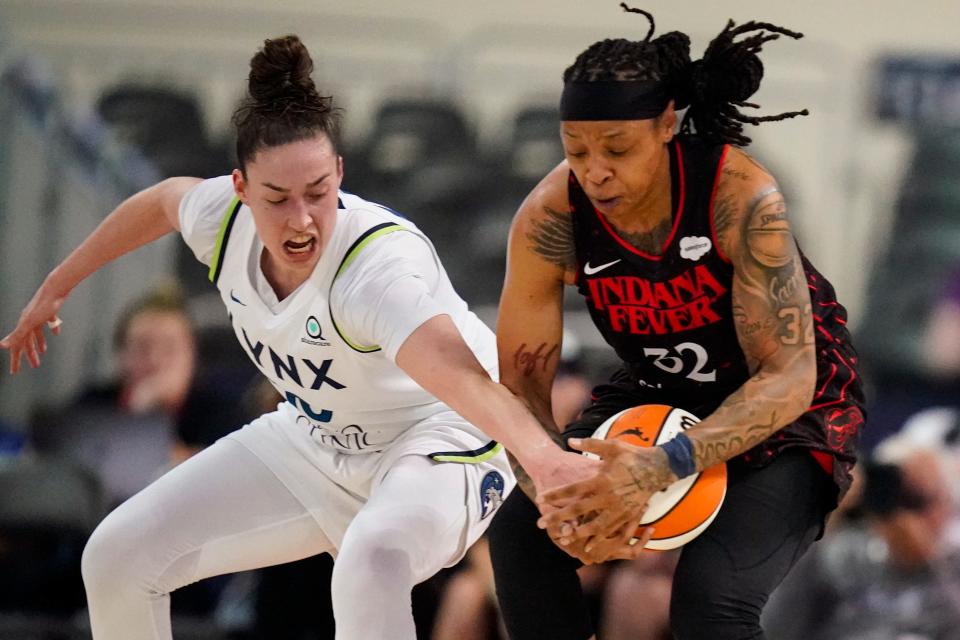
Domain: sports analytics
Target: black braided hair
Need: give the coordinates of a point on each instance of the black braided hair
(715, 87)
(282, 103)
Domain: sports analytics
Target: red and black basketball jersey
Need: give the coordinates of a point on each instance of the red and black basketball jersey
(669, 317)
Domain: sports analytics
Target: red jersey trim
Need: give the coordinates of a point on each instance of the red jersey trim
(824, 459)
(676, 221)
(713, 197)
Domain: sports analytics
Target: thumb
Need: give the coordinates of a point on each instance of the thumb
(592, 445)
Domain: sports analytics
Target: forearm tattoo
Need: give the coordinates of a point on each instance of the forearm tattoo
(528, 361)
(552, 238)
(774, 323)
(524, 481)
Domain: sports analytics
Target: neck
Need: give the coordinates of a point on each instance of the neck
(283, 281)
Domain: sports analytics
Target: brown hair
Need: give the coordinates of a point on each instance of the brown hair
(282, 103)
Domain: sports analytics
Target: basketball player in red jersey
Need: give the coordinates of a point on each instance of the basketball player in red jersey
(681, 248)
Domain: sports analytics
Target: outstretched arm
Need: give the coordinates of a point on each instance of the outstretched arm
(437, 358)
(139, 220)
(540, 260)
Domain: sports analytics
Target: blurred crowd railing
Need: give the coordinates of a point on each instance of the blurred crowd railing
(59, 177)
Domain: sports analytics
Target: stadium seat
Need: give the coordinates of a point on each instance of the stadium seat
(48, 510)
(408, 134)
(166, 125)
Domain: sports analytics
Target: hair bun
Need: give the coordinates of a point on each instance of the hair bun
(673, 55)
(728, 75)
(675, 44)
(281, 70)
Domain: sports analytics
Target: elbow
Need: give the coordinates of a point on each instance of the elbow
(791, 384)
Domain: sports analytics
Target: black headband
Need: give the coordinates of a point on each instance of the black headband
(615, 100)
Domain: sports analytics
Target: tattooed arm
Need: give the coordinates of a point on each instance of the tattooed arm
(530, 320)
(772, 313)
(773, 319)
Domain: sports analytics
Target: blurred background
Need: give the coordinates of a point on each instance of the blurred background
(450, 118)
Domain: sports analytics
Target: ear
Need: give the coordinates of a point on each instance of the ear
(339, 171)
(667, 122)
(240, 186)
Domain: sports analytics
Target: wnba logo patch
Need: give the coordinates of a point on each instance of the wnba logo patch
(491, 493)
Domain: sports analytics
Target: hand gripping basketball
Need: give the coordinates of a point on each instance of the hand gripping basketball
(678, 513)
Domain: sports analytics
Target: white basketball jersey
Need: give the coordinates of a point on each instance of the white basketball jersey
(329, 348)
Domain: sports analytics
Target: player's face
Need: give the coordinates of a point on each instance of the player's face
(292, 191)
(616, 161)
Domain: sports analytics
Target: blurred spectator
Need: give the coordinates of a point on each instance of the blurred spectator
(891, 576)
(942, 337)
(124, 430)
(936, 428)
(157, 354)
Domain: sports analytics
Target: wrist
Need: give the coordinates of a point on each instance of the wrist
(679, 454)
(541, 458)
(54, 284)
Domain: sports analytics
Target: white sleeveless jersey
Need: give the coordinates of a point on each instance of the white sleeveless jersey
(329, 348)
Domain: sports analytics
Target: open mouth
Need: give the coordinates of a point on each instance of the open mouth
(300, 245)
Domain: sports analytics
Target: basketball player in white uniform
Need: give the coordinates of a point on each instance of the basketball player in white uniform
(386, 451)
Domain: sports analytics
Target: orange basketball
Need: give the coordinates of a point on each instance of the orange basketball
(686, 508)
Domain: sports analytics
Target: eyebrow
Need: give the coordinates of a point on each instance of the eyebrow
(316, 182)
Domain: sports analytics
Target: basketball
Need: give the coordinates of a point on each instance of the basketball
(686, 508)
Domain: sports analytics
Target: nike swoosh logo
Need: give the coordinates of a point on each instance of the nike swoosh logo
(588, 270)
(236, 299)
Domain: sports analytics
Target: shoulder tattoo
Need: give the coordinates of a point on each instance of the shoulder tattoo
(551, 237)
(767, 233)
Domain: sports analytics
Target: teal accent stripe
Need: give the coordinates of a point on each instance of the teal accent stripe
(220, 248)
(365, 238)
(482, 454)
